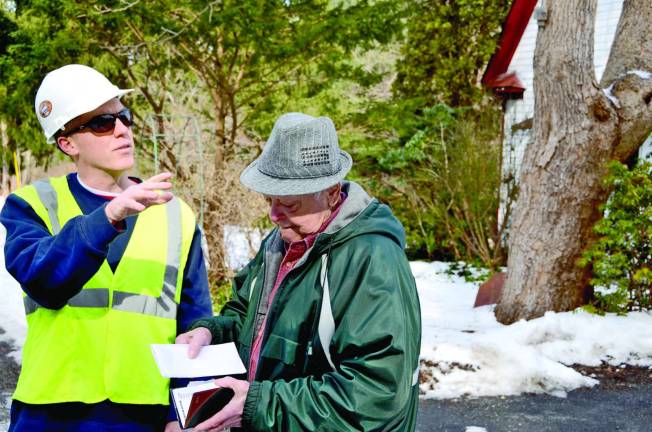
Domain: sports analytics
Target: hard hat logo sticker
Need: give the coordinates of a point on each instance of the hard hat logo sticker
(45, 108)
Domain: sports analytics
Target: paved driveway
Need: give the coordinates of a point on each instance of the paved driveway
(627, 409)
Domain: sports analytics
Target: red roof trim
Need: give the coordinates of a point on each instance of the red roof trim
(513, 29)
(507, 84)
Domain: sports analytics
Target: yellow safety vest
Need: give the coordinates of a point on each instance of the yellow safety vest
(97, 346)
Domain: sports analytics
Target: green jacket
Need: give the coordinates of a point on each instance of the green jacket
(376, 339)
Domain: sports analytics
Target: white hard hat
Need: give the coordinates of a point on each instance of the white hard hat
(69, 92)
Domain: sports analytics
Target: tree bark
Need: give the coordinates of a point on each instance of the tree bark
(632, 46)
(631, 52)
(577, 130)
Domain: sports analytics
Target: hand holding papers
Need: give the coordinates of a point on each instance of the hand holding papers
(197, 403)
(213, 360)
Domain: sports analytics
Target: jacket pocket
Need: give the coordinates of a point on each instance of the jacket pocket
(282, 349)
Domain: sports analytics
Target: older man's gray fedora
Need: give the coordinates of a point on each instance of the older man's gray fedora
(301, 156)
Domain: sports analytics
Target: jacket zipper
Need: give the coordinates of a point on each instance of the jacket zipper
(273, 307)
(268, 318)
(253, 335)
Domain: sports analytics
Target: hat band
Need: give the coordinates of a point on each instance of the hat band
(286, 176)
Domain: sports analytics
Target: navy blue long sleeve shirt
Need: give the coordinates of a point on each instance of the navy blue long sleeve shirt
(52, 269)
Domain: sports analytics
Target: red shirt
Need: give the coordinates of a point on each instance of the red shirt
(293, 252)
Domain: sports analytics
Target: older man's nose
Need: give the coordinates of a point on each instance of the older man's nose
(275, 214)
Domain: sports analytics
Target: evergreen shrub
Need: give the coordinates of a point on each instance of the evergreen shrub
(442, 181)
(621, 259)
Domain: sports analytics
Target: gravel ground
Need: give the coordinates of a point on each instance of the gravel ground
(9, 370)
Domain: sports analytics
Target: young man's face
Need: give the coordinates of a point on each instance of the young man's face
(111, 152)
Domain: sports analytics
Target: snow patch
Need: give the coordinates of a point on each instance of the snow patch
(475, 429)
(641, 74)
(466, 352)
(610, 95)
(609, 90)
(12, 313)
(241, 244)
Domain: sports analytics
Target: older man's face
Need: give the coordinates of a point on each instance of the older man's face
(298, 216)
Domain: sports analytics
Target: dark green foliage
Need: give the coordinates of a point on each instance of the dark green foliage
(7, 27)
(245, 55)
(44, 37)
(247, 61)
(442, 182)
(469, 272)
(621, 259)
(437, 166)
(221, 292)
(449, 44)
(229, 63)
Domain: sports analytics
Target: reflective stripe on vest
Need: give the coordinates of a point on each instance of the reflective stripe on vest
(97, 347)
(163, 306)
(93, 297)
(48, 197)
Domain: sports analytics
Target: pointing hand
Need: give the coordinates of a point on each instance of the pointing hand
(138, 197)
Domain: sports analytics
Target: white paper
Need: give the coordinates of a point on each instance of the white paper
(202, 384)
(213, 360)
(183, 396)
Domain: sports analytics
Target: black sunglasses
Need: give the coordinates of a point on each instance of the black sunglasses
(104, 122)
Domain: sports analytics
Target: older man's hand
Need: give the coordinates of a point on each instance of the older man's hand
(195, 339)
(173, 426)
(231, 414)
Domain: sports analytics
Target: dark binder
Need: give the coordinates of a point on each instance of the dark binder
(203, 405)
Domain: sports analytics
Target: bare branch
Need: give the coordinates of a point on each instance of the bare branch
(634, 95)
(156, 106)
(632, 47)
(107, 10)
(628, 77)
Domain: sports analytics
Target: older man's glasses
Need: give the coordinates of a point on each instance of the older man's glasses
(104, 122)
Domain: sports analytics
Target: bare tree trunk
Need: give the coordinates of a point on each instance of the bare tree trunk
(214, 224)
(577, 130)
(27, 168)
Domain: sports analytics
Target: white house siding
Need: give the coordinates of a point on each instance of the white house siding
(646, 149)
(518, 111)
(606, 22)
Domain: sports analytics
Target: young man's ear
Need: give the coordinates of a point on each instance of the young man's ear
(67, 146)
